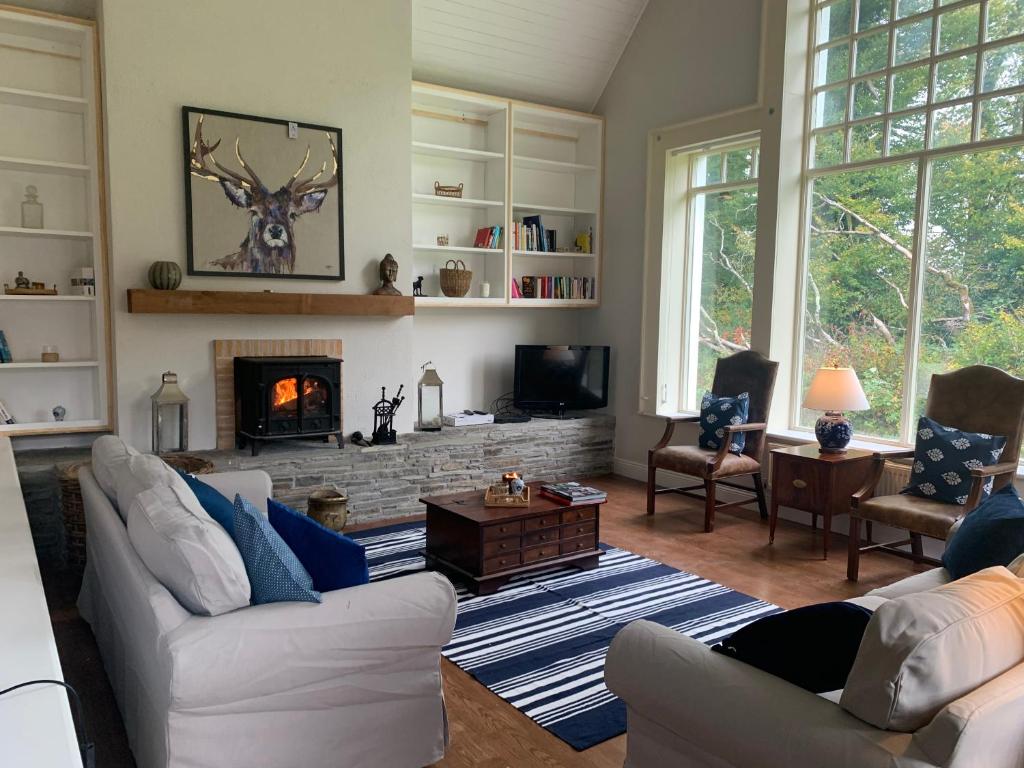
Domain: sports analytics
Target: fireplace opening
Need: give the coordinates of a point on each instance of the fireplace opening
(282, 397)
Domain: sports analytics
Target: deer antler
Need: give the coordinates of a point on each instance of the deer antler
(202, 152)
(310, 184)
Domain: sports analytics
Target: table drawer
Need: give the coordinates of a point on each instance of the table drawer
(539, 523)
(800, 484)
(542, 552)
(576, 515)
(502, 530)
(579, 529)
(582, 544)
(502, 546)
(502, 562)
(540, 537)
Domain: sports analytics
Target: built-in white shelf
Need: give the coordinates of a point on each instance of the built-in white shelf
(43, 166)
(556, 166)
(465, 202)
(57, 234)
(58, 297)
(548, 303)
(458, 249)
(28, 366)
(455, 153)
(55, 427)
(40, 100)
(556, 254)
(466, 301)
(555, 209)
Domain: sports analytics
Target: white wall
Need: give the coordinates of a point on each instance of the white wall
(684, 61)
(337, 62)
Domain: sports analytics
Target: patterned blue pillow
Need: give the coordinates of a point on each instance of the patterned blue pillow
(275, 573)
(944, 458)
(718, 412)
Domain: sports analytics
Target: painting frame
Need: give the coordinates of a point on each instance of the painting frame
(189, 116)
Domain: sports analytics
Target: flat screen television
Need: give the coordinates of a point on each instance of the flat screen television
(556, 379)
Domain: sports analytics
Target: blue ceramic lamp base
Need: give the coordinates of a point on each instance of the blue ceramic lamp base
(833, 431)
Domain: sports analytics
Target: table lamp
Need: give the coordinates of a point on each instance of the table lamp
(834, 390)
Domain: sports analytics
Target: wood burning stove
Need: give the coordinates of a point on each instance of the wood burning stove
(286, 397)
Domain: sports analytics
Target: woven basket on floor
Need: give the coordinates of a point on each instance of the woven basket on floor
(456, 279)
(74, 509)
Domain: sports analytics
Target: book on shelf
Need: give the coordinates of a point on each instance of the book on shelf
(573, 492)
(529, 287)
(5, 415)
(5, 351)
(558, 287)
(488, 237)
(516, 292)
(539, 235)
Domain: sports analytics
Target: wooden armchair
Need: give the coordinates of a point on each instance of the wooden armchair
(977, 398)
(748, 372)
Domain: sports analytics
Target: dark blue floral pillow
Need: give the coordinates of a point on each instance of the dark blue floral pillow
(716, 413)
(944, 458)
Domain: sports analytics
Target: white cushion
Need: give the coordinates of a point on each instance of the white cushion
(923, 651)
(108, 454)
(192, 556)
(141, 472)
(1017, 567)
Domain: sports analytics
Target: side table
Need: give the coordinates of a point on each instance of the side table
(820, 483)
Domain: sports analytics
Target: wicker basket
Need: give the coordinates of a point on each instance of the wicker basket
(74, 508)
(455, 280)
(440, 190)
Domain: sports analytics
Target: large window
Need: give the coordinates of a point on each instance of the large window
(720, 209)
(914, 248)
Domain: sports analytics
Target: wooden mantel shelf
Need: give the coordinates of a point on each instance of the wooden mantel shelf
(145, 300)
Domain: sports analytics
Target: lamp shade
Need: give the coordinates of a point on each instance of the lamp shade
(836, 389)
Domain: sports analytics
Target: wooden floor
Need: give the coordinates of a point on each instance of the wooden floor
(485, 731)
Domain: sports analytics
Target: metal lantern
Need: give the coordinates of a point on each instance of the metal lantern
(170, 398)
(431, 408)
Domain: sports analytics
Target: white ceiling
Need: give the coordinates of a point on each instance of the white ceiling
(558, 52)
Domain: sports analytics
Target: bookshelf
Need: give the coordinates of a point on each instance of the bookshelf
(515, 160)
(50, 138)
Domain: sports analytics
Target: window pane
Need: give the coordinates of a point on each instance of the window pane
(862, 226)
(958, 29)
(973, 308)
(954, 78)
(1005, 18)
(739, 164)
(830, 107)
(866, 141)
(834, 21)
(708, 170)
(951, 125)
(872, 52)
(913, 41)
(910, 88)
(906, 8)
(725, 231)
(828, 149)
(1001, 116)
(906, 133)
(872, 13)
(1004, 67)
(869, 97)
(833, 64)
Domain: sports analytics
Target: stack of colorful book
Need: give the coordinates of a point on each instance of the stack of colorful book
(488, 237)
(574, 493)
(554, 287)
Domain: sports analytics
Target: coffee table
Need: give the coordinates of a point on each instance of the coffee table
(484, 547)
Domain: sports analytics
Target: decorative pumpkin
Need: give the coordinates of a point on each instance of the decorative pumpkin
(165, 275)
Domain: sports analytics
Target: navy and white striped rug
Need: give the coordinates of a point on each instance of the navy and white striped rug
(540, 641)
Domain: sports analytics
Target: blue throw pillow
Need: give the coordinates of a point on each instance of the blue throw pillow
(813, 647)
(214, 502)
(718, 412)
(944, 458)
(275, 574)
(332, 560)
(993, 534)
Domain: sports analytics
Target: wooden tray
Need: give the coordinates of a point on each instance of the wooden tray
(497, 499)
(30, 291)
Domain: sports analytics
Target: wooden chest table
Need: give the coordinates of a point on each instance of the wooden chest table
(484, 547)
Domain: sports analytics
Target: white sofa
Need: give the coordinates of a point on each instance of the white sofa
(688, 707)
(353, 682)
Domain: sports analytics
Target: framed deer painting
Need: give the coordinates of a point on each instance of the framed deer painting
(263, 197)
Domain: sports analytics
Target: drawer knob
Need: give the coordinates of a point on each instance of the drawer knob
(799, 483)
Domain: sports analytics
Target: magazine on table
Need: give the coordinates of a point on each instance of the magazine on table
(574, 492)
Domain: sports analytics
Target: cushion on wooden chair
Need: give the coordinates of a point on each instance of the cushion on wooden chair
(691, 460)
(913, 513)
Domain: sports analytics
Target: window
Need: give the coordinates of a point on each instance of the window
(913, 258)
(720, 210)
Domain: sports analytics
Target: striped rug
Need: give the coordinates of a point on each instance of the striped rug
(540, 641)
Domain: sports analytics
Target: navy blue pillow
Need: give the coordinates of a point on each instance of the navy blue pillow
(275, 573)
(993, 534)
(813, 647)
(718, 412)
(216, 504)
(944, 458)
(333, 561)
